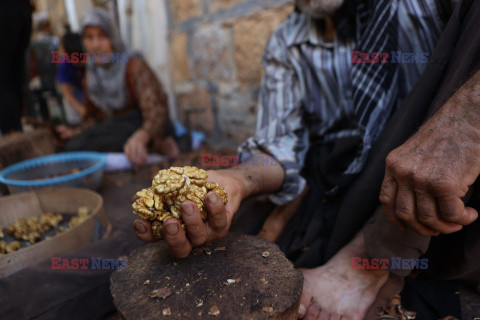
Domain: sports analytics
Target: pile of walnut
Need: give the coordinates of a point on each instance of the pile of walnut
(31, 229)
(83, 214)
(170, 187)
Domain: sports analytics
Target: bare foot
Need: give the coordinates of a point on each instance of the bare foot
(336, 291)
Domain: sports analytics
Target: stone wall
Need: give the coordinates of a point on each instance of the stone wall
(216, 48)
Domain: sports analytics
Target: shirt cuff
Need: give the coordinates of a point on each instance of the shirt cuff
(293, 183)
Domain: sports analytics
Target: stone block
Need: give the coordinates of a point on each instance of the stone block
(212, 57)
(223, 4)
(179, 57)
(237, 112)
(199, 100)
(183, 10)
(251, 34)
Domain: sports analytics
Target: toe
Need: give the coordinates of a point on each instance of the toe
(335, 316)
(304, 304)
(324, 315)
(313, 312)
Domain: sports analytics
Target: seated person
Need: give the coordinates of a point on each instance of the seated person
(123, 98)
(70, 77)
(319, 117)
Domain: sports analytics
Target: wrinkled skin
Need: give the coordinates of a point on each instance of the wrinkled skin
(426, 177)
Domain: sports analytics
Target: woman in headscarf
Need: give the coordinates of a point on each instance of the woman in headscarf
(123, 97)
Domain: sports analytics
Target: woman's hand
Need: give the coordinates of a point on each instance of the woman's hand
(136, 148)
(196, 231)
(67, 133)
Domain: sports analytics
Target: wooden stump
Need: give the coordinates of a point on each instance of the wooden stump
(237, 277)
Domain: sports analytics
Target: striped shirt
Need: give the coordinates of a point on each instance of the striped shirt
(306, 89)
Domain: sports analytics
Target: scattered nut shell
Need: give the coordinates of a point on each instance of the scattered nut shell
(265, 254)
(198, 303)
(214, 311)
(160, 293)
(166, 311)
(268, 309)
(147, 282)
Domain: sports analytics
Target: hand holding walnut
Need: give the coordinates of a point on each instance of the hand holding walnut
(201, 208)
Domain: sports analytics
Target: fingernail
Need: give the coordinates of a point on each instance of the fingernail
(188, 209)
(212, 198)
(171, 229)
(140, 227)
(302, 310)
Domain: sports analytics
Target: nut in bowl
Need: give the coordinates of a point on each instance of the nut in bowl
(170, 188)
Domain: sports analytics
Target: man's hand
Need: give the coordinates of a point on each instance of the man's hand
(196, 231)
(136, 148)
(426, 178)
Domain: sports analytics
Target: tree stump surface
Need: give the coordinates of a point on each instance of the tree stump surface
(237, 277)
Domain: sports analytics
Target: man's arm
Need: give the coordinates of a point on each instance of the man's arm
(428, 175)
(270, 162)
(240, 182)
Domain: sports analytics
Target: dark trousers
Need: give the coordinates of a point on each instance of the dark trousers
(108, 136)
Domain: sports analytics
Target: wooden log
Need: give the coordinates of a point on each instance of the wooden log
(237, 277)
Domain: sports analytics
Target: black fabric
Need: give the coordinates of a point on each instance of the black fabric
(454, 60)
(112, 134)
(15, 30)
(431, 300)
(305, 240)
(108, 136)
(322, 225)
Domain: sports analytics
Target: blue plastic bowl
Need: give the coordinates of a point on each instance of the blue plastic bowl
(55, 171)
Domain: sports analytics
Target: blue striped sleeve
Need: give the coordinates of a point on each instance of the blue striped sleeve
(281, 131)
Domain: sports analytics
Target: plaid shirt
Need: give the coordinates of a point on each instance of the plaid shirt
(306, 89)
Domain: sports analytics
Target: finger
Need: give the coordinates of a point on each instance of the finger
(388, 198)
(196, 230)
(427, 213)
(217, 215)
(405, 205)
(127, 149)
(143, 230)
(141, 156)
(176, 238)
(452, 209)
(407, 212)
